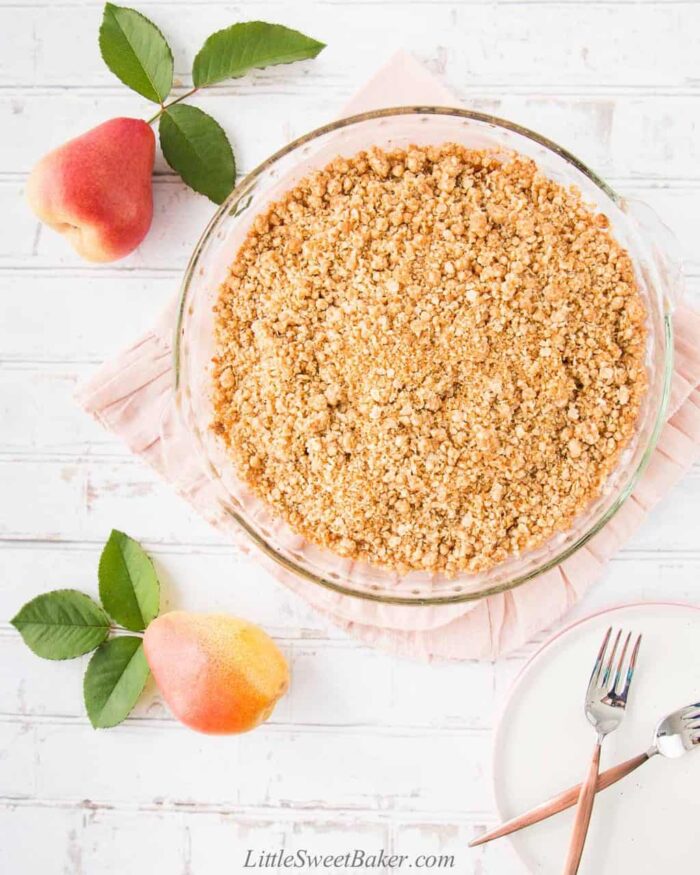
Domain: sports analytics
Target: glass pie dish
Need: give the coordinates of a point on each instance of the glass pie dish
(633, 224)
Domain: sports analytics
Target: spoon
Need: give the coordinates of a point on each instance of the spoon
(675, 735)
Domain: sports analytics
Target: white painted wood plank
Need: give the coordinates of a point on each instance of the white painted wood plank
(91, 839)
(208, 843)
(32, 396)
(179, 219)
(652, 135)
(19, 237)
(356, 6)
(324, 689)
(351, 7)
(17, 777)
(36, 121)
(217, 579)
(84, 840)
(83, 499)
(180, 216)
(649, 46)
(89, 316)
(273, 766)
(213, 578)
(452, 838)
(325, 692)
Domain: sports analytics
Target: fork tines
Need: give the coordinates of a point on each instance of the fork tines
(602, 670)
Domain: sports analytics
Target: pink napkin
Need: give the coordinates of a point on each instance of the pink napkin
(132, 396)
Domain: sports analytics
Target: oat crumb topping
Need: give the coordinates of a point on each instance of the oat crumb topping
(428, 358)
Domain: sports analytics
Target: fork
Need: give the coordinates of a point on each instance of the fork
(604, 707)
(675, 735)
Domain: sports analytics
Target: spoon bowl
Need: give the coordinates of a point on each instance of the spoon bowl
(678, 733)
(675, 735)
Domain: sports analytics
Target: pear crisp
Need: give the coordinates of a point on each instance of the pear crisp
(428, 358)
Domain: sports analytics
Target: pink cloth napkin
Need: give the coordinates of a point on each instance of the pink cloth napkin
(132, 396)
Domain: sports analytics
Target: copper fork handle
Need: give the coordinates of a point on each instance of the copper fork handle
(560, 802)
(583, 814)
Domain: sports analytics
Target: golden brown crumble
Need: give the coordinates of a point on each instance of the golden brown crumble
(428, 358)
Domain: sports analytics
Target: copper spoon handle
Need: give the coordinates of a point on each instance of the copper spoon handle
(561, 802)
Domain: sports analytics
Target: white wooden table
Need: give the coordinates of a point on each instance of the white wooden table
(366, 751)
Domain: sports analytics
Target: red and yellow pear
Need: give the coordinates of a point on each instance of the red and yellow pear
(218, 674)
(96, 189)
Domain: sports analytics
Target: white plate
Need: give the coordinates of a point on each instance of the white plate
(648, 823)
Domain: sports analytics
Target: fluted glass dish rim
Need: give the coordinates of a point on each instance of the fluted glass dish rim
(223, 213)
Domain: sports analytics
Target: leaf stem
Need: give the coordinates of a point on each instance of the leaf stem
(118, 631)
(172, 103)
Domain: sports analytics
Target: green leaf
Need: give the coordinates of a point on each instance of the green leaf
(129, 587)
(232, 52)
(136, 52)
(62, 624)
(114, 680)
(196, 147)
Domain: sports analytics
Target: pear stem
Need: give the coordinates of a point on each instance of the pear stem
(172, 103)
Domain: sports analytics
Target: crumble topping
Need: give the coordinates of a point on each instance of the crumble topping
(428, 358)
